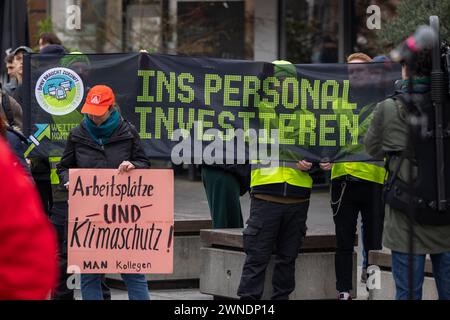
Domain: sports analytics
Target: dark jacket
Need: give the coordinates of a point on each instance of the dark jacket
(53, 49)
(10, 87)
(15, 111)
(282, 190)
(82, 152)
(388, 133)
(18, 97)
(18, 144)
(40, 168)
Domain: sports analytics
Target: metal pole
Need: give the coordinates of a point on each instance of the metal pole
(437, 95)
(411, 208)
(281, 29)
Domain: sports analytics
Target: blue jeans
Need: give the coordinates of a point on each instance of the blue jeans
(91, 288)
(441, 273)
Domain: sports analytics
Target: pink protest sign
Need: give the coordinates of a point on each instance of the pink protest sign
(121, 223)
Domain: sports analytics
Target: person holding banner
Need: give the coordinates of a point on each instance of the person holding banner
(104, 140)
(355, 187)
(278, 212)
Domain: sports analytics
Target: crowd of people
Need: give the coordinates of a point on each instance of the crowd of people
(280, 198)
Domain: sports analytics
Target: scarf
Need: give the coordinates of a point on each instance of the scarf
(420, 85)
(100, 134)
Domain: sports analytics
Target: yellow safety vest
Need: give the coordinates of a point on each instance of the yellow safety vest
(370, 171)
(54, 178)
(287, 172)
(362, 170)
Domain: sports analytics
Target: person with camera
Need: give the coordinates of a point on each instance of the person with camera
(411, 185)
(278, 211)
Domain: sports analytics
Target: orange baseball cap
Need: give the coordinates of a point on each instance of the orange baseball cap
(98, 100)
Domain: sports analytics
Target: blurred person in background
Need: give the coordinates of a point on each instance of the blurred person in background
(18, 69)
(10, 87)
(28, 263)
(48, 38)
(11, 110)
(356, 187)
(17, 142)
(410, 189)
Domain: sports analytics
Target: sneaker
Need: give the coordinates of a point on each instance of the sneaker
(344, 296)
(364, 275)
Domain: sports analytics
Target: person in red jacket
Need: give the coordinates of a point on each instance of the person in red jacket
(28, 266)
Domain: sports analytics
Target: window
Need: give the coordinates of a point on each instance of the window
(211, 28)
(143, 25)
(365, 39)
(312, 29)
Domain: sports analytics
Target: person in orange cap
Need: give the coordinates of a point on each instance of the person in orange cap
(104, 140)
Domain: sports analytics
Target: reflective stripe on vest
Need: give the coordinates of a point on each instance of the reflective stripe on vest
(286, 172)
(54, 178)
(371, 171)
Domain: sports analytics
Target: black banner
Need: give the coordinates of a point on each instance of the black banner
(213, 110)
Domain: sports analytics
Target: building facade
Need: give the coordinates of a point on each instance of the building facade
(301, 31)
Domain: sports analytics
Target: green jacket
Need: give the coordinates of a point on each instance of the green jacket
(388, 132)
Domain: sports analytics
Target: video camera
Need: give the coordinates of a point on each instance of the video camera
(440, 93)
(445, 54)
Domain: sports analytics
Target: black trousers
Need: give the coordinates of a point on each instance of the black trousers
(45, 193)
(272, 226)
(62, 292)
(355, 197)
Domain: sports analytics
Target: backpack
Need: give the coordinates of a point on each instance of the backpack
(420, 194)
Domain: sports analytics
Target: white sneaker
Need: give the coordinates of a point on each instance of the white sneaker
(364, 275)
(344, 296)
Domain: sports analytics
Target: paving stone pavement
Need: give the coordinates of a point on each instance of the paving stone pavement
(194, 294)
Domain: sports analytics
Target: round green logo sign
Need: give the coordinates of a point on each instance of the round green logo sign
(59, 91)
